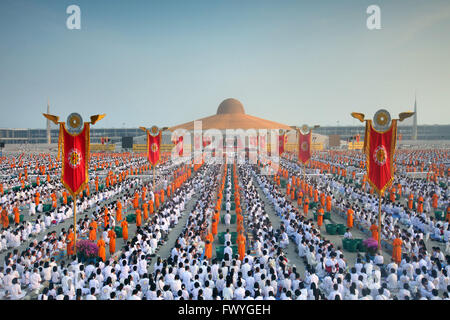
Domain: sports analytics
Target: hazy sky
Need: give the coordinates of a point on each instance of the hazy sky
(167, 62)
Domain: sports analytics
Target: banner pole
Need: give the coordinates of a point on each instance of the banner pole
(379, 224)
(75, 223)
(154, 174)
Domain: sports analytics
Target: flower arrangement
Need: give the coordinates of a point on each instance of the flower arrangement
(88, 248)
(371, 244)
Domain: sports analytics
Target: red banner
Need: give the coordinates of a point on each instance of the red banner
(206, 141)
(380, 148)
(282, 140)
(153, 148)
(180, 146)
(304, 147)
(75, 159)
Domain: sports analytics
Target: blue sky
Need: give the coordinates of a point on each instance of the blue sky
(166, 62)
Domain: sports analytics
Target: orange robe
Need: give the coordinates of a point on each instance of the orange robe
(410, 201)
(101, 249)
(5, 219)
(320, 217)
(37, 198)
(112, 241)
(420, 205)
(124, 226)
(136, 201)
(150, 207)
(306, 206)
(138, 218)
(119, 211)
(322, 200)
(397, 250)
(374, 230)
(145, 206)
(70, 244)
(328, 203)
(435, 201)
(241, 246)
(93, 234)
(208, 246)
(157, 200)
(54, 202)
(214, 227)
(350, 213)
(16, 215)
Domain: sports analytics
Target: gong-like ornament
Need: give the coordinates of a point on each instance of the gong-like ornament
(74, 123)
(382, 120)
(305, 129)
(154, 131)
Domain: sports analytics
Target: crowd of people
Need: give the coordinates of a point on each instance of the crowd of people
(275, 213)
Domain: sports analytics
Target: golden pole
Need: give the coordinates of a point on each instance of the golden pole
(154, 174)
(75, 223)
(379, 224)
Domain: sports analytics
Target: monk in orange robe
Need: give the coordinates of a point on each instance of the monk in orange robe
(112, 241)
(92, 234)
(320, 214)
(157, 200)
(350, 214)
(101, 249)
(106, 217)
(241, 245)
(118, 214)
(397, 250)
(410, 201)
(392, 194)
(65, 197)
(54, 202)
(208, 246)
(5, 219)
(435, 201)
(374, 230)
(124, 225)
(306, 206)
(37, 199)
(328, 203)
(420, 205)
(70, 243)
(16, 215)
(136, 201)
(145, 208)
(150, 207)
(138, 218)
(322, 200)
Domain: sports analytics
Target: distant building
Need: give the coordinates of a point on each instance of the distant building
(424, 132)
